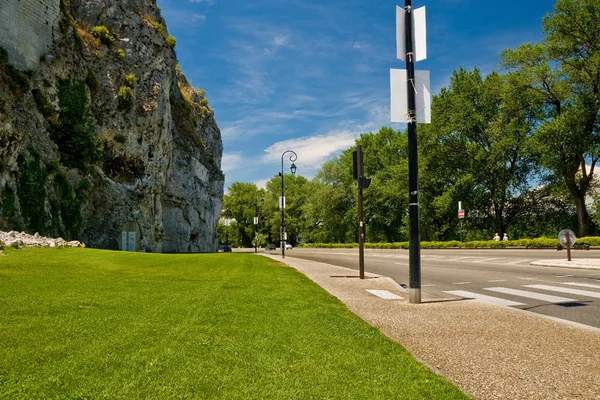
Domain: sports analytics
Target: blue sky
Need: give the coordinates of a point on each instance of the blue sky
(311, 75)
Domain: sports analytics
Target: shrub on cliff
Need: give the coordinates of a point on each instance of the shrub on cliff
(101, 32)
(74, 133)
(171, 41)
(3, 56)
(125, 98)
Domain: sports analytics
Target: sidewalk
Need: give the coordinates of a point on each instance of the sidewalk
(490, 352)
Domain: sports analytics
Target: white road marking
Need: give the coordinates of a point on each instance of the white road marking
(427, 285)
(564, 276)
(531, 295)
(591, 285)
(498, 280)
(559, 289)
(460, 258)
(518, 262)
(486, 299)
(460, 283)
(485, 261)
(384, 294)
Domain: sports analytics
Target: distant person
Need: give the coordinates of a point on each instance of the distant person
(497, 237)
(505, 237)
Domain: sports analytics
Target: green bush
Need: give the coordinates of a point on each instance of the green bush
(130, 80)
(31, 189)
(7, 200)
(120, 54)
(43, 105)
(92, 81)
(101, 32)
(18, 79)
(120, 138)
(69, 207)
(125, 98)
(589, 240)
(171, 41)
(74, 133)
(3, 56)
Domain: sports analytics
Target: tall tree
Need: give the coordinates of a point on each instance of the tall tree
(476, 151)
(239, 204)
(563, 72)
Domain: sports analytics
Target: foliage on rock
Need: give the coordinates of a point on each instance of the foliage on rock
(74, 134)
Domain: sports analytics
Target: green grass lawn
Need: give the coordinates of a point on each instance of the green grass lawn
(91, 324)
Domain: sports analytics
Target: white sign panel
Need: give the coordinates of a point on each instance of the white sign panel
(255, 220)
(399, 96)
(419, 34)
(281, 201)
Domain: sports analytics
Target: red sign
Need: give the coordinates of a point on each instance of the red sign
(461, 213)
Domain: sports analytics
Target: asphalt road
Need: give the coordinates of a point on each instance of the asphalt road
(503, 277)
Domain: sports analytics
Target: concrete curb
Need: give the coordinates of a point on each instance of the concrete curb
(589, 263)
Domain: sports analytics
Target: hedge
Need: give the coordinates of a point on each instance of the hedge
(537, 243)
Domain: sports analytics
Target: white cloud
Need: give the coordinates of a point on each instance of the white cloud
(314, 150)
(198, 17)
(281, 40)
(182, 18)
(261, 183)
(231, 161)
(208, 2)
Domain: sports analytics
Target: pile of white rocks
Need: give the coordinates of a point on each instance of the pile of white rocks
(22, 239)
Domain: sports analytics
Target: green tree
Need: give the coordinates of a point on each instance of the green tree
(475, 150)
(563, 73)
(296, 200)
(331, 205)
(240, 205)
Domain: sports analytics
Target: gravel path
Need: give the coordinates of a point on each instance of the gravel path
(490, 352)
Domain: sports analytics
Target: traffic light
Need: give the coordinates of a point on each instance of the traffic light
(363, 183)
(358, 169)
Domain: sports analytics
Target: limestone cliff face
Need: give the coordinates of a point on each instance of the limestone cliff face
(100, 132)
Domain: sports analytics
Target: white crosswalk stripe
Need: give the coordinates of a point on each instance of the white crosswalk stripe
(590, 285)
(384, 294)
(497, 301)
(531, 295)
(559, 289)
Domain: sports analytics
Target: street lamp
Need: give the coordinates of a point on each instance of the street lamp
(256, 219)
(293, 158)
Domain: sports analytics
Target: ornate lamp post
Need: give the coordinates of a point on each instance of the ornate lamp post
(293, 158)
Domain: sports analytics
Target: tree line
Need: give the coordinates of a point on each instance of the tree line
(517, 147)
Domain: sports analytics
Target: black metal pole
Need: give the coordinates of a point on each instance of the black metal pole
(282, 214)
(293, 158)
(413, 172)
(361, 235)
(255, 225)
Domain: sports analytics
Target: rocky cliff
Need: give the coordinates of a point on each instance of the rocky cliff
(101, 136)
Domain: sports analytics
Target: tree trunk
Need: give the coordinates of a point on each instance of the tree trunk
(582, 216)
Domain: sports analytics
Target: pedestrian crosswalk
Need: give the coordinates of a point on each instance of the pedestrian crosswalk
(540, 292)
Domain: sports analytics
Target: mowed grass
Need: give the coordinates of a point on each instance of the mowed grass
(93, 324)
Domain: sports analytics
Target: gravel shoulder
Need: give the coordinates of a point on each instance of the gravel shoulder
(490, 352)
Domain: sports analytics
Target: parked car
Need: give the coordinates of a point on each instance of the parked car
(224, 248)
(288, 246)
(270, 246)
